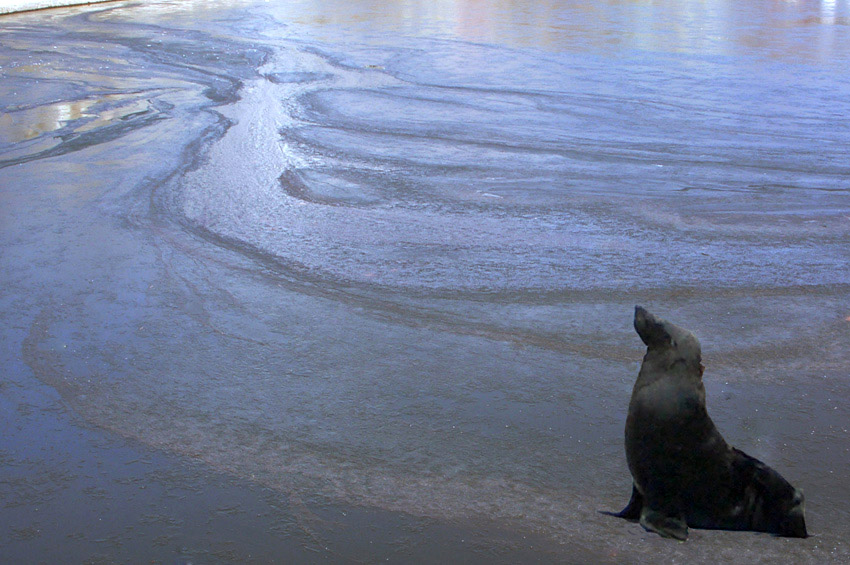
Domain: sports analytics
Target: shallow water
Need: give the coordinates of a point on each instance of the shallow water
(385, 259)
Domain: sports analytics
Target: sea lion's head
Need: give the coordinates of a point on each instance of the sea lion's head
(668, 346)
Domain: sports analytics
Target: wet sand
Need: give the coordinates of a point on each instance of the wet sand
(290, 285)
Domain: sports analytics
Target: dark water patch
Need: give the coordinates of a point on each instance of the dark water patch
(352, 189)
(297, 77)
(77, 140)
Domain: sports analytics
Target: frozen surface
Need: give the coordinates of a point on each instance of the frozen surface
(382, 260)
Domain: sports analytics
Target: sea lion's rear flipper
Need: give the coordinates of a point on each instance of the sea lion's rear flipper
(633, 508)
(664, 525)
(769, 503)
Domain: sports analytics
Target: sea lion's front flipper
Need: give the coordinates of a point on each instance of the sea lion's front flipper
(633, 508)
(663, 524)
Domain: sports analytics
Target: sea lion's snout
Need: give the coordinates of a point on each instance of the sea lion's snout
(660, 335)
(650, 329)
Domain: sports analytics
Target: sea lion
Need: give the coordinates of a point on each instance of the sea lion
(684, 473)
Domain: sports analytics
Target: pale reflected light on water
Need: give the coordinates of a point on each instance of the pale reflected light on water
(382, 256)
(791, 30)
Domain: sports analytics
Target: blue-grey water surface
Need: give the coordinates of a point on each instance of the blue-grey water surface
(380, 258)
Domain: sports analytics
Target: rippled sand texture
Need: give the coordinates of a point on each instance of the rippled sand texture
(388, 258)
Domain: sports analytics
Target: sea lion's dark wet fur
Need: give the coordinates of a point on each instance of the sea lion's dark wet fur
(684, 473)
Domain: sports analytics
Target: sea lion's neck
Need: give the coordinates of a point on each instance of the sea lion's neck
(656, 367)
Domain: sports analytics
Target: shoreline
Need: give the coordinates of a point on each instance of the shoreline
(34, 5)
